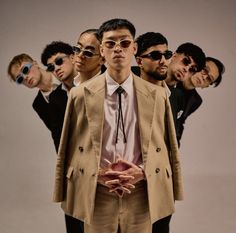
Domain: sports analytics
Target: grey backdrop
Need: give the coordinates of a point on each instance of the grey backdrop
(27, 160)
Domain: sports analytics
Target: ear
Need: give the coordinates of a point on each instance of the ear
(139, 62)
(102, 60)
(135, 47)
(101, 50)
(72, 58)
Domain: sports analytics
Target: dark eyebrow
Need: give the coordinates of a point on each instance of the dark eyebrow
(89, 47)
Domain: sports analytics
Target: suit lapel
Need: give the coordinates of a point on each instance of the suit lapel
(146, 108)
(94, 102)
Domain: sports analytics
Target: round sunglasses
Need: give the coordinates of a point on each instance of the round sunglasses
(157, 55)
(110, 44)
(58, 61)
(86, 53)
(24, 71)
(187, 61)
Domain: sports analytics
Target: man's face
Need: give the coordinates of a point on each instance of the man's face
(28, 72)
(62, 66)
(88, 57)
(182, 67)
(153, 67)
(118, 48)
(205, 77)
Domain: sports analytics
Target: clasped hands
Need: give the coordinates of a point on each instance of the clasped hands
(121, 176)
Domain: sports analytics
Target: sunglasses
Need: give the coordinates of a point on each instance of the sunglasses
(24, 71)
(110, 44)
(87, 53)
(58, 61)
(157, 55)
(186, 61)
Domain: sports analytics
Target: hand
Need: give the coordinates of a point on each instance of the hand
(128, 173)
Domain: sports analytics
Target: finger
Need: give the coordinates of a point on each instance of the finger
(129, 186)
(126, 177)
(111, 182)
(114, 173)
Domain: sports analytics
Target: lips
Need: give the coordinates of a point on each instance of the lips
(60, 74)
(180, 74)
(118, 57)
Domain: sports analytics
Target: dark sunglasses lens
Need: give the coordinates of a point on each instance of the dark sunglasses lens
(186, 61)
(193, 69)
(125, 43)
(59, 61)
(76, 49)
(155, 55)
(25, 70)
(50, 67)
(87, 53)
(110, 44)
(19, 79)
(168, 54)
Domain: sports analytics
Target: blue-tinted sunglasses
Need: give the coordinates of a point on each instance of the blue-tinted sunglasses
(24, 71)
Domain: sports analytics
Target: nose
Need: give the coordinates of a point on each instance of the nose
(163, 59)
(79, 54)
(117, 47)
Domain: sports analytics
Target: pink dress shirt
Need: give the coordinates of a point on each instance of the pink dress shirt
(131, 150)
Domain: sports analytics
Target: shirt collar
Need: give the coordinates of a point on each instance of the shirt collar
(112, 85)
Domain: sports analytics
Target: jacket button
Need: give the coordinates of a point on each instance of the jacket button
(81, 149)
(158, 149)
(157, 170)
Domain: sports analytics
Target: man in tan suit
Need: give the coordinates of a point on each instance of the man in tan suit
(118, 163)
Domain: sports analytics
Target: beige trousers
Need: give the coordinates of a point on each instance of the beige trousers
(131, 211)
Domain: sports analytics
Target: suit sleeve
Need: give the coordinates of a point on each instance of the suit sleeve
(174, 155)
(60, 167)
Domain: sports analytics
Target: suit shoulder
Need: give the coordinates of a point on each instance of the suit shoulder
(150, 87)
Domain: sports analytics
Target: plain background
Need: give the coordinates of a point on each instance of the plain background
(27, 160)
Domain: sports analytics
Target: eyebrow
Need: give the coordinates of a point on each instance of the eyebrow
(118, 38)
(90, 47)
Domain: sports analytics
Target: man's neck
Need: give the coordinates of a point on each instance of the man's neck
(45, 83)
(119, 75)
(84, 76)
(69, 82)
(150, 79)
(170, 81)
(188, 85)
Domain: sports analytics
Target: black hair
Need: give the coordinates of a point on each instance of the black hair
(90, 31)
(114, 24)
(194, 52)
(54, 48)
(221, 69)
(148, 40)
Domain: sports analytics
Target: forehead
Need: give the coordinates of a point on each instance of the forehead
(160, 47)
(212, 69)
(53, 57)
(88, 41)
(117, 34)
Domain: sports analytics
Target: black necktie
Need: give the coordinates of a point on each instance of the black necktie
(119, 91)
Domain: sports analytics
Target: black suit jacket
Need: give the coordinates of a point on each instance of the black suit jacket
(57, 107)
(192, 101)
(41, 106)
(52, 113)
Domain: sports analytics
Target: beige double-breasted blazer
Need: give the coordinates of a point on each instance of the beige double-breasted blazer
(80, 149)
